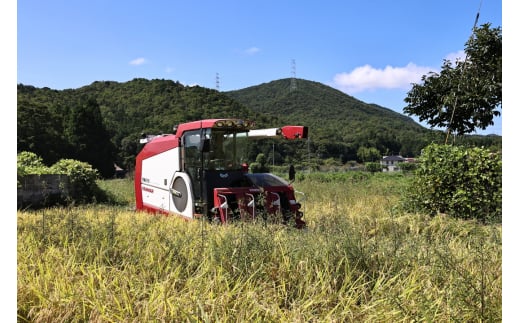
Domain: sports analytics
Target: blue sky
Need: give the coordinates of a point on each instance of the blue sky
(372, 50)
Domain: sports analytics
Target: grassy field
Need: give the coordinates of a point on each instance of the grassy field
(359, 260)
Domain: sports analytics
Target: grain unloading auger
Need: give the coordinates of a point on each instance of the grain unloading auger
(200, 171)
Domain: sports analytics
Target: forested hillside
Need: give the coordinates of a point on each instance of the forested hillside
(339, 124)
(47, 124)
(101, 123)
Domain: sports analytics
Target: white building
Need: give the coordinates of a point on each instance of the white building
(391, 163)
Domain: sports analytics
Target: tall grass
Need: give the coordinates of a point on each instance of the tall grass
(359, 260)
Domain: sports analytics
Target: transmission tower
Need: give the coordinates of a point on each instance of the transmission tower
(293, 73)
(217, 82)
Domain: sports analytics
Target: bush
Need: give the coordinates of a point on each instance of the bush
(81, 175)
(82, 178)
(258, 168)
(373, 167)
(30, 163)
(408, 167)
(462, 182)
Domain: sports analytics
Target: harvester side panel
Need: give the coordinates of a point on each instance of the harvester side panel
(155, 198)
(156, 179)
(157, 146)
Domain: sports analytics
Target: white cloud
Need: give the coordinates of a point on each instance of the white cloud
(369, 78)
(252, 50)
(138, 61)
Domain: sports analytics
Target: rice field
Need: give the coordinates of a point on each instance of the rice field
(359, 260)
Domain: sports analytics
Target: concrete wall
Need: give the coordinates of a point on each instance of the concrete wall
(36, 191)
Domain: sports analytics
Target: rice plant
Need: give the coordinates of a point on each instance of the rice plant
(359, 260)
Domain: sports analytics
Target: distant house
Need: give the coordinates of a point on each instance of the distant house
(119, 172)
(391, 163)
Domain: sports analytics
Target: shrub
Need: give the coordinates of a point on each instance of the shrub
(258, 168)
(462, 182)
(408, 167)
(373, 167)
(30, 163)
(82, 178)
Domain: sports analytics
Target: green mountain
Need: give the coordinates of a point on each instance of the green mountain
(46, 117)
(101, 123)
(314, 101)
(337, 121)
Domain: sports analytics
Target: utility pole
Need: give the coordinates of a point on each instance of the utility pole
(309, 153)
(293, 78)
(273, 154)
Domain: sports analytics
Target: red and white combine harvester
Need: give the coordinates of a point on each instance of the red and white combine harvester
(200, 170)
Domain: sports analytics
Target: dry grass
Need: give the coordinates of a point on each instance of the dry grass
(359, 260)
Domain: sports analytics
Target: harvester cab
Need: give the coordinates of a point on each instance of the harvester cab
(201, 170)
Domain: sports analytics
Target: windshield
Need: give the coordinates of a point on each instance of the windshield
(227, 149)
